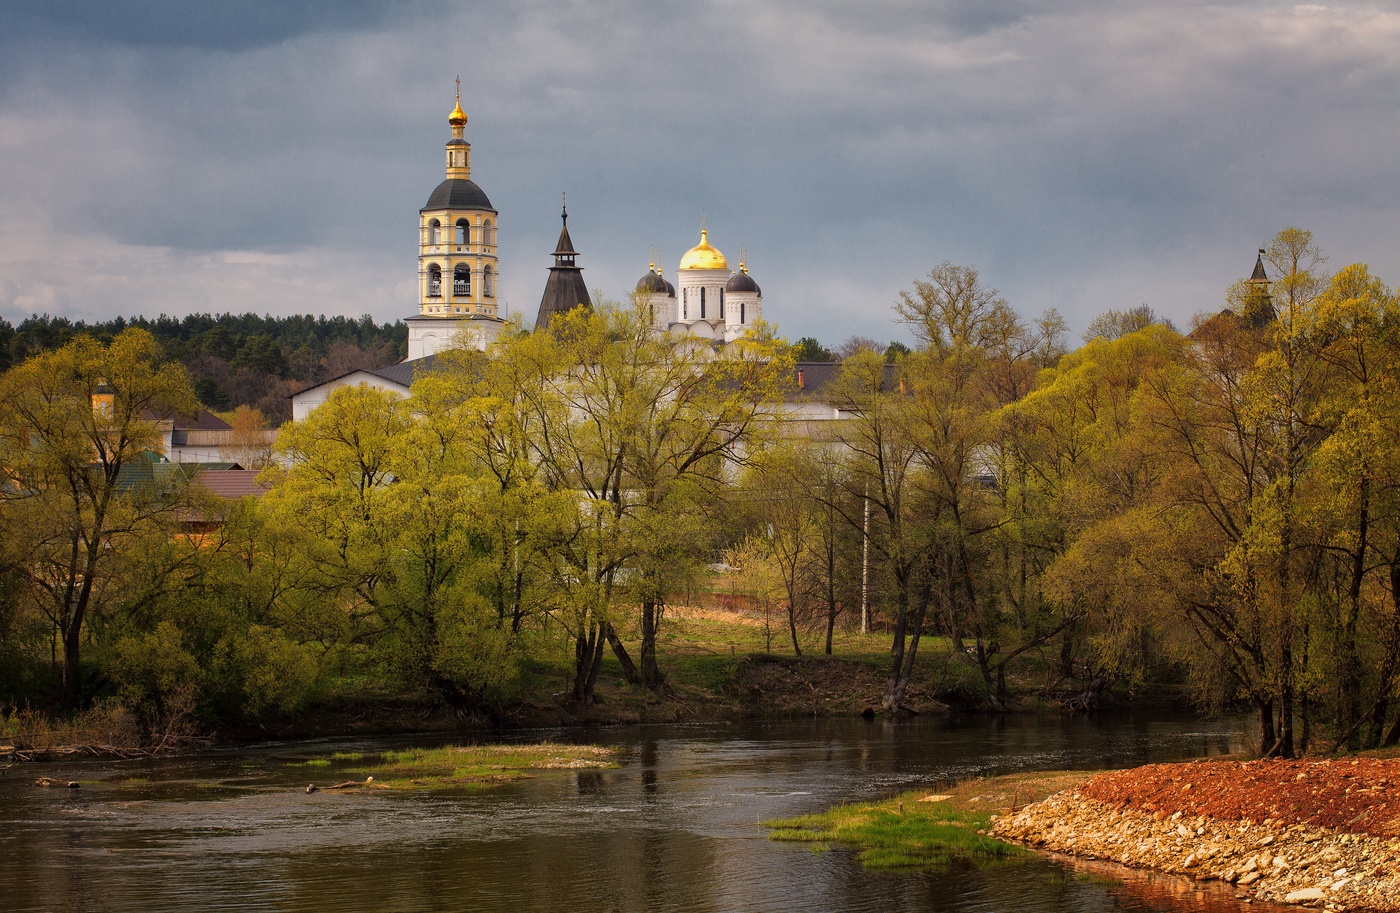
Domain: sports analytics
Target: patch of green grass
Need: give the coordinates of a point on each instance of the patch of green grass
(900, 833)
(467, 767)
(711, 672)
(311, 762)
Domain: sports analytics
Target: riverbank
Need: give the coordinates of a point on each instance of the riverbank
(1322, 833)
(919, 828)
(719, 666)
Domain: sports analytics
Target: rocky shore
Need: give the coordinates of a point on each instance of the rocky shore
(1319, 833)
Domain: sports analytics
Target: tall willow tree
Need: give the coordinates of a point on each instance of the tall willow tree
(335, 496)
(76, 427)
(641, 428)
(392, 521)
(1077, 438)
(483, 403)
(1354, 330)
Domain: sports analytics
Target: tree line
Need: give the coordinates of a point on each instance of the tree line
(510, 511)
(1219, 506)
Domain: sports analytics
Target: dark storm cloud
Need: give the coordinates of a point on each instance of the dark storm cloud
(209, 26)
(1083, 154)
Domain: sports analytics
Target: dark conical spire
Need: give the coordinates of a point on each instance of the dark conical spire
(564, 252)
(1259, 275)
(565, 289)
(1258, 306)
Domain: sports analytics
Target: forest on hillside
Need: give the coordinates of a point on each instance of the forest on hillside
(233, 360)
(1220, 509)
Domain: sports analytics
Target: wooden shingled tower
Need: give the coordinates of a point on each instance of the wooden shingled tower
(565, 289)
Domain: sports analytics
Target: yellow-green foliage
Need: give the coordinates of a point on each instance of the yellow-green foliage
(154, 664)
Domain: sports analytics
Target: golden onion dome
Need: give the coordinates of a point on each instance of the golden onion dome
(703, 256)
(458, 117)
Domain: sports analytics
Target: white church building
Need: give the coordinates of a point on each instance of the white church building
(459, 278)
(711, 302)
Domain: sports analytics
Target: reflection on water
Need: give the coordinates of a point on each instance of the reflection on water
(675, 828)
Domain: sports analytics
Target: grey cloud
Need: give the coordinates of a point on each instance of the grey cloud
(208, 26)
(1084, 154)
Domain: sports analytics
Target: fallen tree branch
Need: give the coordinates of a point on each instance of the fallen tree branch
(348, 784)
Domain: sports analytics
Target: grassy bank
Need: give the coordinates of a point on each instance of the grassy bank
(718, 665)
(920, 828)
(452, 767)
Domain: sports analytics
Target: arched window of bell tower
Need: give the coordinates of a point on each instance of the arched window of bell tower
(461, 281)
(464, 232)
(434, 229)
(434, 281)
(488, 282)
(488, 234)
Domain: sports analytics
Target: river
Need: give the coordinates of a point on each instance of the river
(675, 828)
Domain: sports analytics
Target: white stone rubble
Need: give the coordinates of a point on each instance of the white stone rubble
(1296, 864)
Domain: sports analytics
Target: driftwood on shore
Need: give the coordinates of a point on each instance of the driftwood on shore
(76, 751)
(348, 784)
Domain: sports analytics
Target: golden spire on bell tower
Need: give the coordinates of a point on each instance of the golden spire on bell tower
(458, 117)
(459, 151)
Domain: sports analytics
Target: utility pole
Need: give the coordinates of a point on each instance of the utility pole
(865, 565)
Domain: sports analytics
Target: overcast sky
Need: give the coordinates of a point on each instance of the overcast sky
(175, 156)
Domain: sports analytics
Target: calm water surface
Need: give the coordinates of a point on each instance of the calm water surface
(674, 829)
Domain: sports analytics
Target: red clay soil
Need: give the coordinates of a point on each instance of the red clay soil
(1360, 796)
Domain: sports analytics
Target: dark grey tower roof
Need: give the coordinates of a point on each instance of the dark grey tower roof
(458, 193)
(565, 289)
(654, 282)
(742, 282)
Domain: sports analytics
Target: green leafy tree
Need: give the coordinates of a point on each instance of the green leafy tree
(976, 357)
(788, 529)
(394, 523)
(1352, 510)
(1079, 447)
(639, 426)
(76, 428)
(1220, 544)
(808, 349)
(882, 470)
